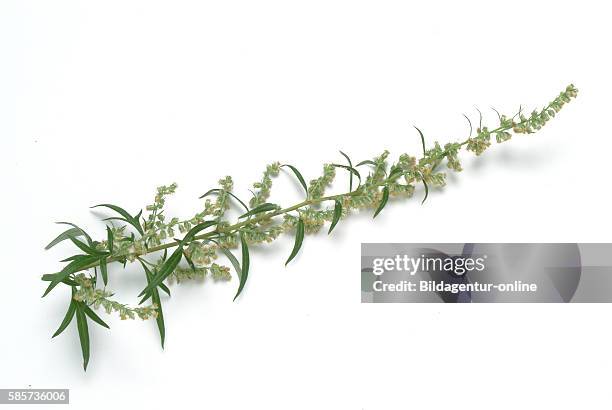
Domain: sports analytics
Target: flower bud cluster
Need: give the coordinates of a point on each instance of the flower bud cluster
(316, 188)
(88, 294)
(265, 185)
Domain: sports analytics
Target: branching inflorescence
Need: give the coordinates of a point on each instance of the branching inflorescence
(152, 241)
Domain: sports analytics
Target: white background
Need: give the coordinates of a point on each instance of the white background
(103, 101)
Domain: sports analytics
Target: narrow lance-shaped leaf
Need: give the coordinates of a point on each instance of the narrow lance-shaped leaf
(132, 220)
(350, 169)
(395, 173)
(161, 326)
(470, 122)
(426, 192)
(49, 277)
(366, 162)
(93, 316)
(351, 174)
(162, 286)
(498, 115)
(299, 176)
(230, 256)
(110, 238)
(85, 248)
(189, 261)
(245, 265)
(67, 234)
(218, 190)
(159, 319)
(337, 215)
(69, 315)
(422, 138)
(261, 208)
(383, 200)
(197, 229)
(73, 267)
(104, 270)
(480, 119)
(83, 334)
(73, 258)
(299, 238)
(87, 237)
(165, 271)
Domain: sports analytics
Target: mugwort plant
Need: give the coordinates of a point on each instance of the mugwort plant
(173, 250)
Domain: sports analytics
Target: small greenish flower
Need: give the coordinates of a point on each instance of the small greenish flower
(219, 272)
(452, 156)
(316, 189)
(480, 143)
(265, 185)
(502, 136)
(88, 294)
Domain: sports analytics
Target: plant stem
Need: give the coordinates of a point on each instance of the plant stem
(231, 228)
(236, 226)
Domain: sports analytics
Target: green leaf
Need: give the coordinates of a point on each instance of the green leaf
(259, 209)
(73, 267)
(162, 286)
(394, 174)
(110, 238)
(351, 174)
(218, 190)
(189, 261)
(161, 326)
(383, 201)
(125, 214)
(165, 271)
(229, 255)
(350, 169)
(87, 249)
(89, 240)
(89, 312)
(470, 122)
(197, 229)
(156, 300)
(422, 138)
(426, 191)
(73, 257)
(48, 277)
(298, 176)
(70, 282)
(480, 119)
(70, 233)
(132, 220)
(68, 317)
(83, 334)
(104, 270)
(117, 218)
(244, 273)
(337, 215)
(368, 162)
(299, 238)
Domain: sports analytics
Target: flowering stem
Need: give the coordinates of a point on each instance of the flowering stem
(235, 227)
(373, 192)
